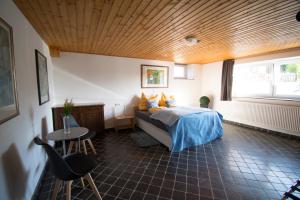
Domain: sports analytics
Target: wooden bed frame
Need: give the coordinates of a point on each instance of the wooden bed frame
(159, 134)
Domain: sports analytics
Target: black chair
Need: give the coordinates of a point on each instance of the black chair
(86, 138)
(293, 192)
(69, 168)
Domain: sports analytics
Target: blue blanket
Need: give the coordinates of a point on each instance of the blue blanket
(194, 128)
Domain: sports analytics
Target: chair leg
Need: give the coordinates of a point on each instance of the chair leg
(56, 189)
(68, 191)
(82, 182)
(92, 146)
(70, 147)
(132, 124)
(116, 125)
(84, 147)
(93, 186)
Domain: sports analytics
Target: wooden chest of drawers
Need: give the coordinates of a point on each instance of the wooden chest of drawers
(89, 116)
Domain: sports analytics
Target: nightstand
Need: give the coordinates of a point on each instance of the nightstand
(124, 122)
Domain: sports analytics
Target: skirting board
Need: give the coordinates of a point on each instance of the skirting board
(166, 140)
(159, 134)
(284, 135)
(39, 183)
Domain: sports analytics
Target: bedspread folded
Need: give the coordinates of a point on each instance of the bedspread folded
(169, 116)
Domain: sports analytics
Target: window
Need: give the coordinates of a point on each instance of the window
(272, 79)
(180, 71)
(287, 79)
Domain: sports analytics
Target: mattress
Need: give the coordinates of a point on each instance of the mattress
(145, 115)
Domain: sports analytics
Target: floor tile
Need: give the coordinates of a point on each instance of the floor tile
(243, 164)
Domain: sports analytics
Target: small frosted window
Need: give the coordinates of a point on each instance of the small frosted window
(180, 71)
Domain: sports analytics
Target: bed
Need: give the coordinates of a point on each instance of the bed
(181, 127)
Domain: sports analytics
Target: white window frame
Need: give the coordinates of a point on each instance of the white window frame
(279, 62)
(272, 64)
(185, 71)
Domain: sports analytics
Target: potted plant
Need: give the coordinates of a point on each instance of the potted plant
(204, 101)
(68, 106)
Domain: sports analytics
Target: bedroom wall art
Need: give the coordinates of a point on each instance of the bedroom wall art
(8, 94)
(153, 76)
(42, 77)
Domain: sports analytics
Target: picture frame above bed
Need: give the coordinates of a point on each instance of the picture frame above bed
(9, 107)
(154, 76)
(42, 77)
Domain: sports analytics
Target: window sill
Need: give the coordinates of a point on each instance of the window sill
(269, 100)
(184, 79)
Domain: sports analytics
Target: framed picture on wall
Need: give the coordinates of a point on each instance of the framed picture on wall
(153, 76)
(8, 92)
(42, 77)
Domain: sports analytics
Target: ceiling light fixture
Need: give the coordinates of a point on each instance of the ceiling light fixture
(191, 41)
(298, 16)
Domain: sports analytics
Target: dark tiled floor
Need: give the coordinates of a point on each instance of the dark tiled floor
(244, 164)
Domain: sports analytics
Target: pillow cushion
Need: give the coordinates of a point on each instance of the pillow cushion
(171, 103)
(143, 106)
(143, 103)
(152, 104)
(162, 101)
(153, 98)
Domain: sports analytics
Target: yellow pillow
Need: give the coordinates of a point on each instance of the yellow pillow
(153, 98)
(163, 99)
(153, 110)
(143, 102)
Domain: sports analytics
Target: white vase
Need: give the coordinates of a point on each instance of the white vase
(67, 127)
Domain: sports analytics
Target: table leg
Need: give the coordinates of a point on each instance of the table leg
(132, 124)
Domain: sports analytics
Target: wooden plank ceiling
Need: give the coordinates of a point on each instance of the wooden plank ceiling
(155, 29)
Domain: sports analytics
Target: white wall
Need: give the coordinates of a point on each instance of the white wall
(22, 161)
(113, 80)
(260, 113)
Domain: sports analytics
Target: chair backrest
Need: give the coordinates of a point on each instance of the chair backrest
(59, 167)
(72, 121)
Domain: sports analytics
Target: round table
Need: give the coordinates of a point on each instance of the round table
(75, 133)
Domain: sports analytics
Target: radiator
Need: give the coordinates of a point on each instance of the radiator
(282, 118)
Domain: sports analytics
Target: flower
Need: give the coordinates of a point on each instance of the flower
(68, 106)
